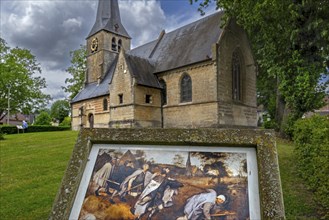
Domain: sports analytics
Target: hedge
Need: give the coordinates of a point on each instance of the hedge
(311, 137)
(33, 128)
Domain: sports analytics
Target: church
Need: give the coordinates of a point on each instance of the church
(197, 76)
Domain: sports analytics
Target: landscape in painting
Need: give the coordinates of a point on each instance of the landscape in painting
(160, 184)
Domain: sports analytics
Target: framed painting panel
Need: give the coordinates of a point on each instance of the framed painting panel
(164, 182)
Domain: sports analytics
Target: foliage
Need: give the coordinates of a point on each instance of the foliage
(32, 167)
(269, 123)
(33, 128)
(19, 69)
(77, 71)
(311, 137)
(1, 135)
(66, 122)
(60, 109)
(290, 40)
(43, 119)
(298, 201)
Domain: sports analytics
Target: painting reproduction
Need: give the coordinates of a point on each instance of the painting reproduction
(168, 182)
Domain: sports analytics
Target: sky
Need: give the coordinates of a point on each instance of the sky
(50, 29)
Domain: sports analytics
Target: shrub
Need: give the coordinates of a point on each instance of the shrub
(33, 128)
(66, 122)
(311, 137)
(1, 135)
(43, 119)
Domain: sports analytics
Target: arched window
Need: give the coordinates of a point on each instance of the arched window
(163, 92)
(186, 89)
(114, 44)
(236, 76)
(105, 104)
(119, 45)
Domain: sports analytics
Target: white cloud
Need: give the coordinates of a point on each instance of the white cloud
(143, 20)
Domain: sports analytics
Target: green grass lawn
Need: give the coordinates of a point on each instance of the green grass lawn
(32, 166)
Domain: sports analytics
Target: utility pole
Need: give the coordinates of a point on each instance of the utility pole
(8, 116)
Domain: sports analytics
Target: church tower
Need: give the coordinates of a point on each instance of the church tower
(105, 40)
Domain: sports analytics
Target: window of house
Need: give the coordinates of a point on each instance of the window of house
(105, 104)
(163, 92)
(114, 44)
(236, 77)
(186, 88)
(148, 99)
(119, 45)
(120, 98)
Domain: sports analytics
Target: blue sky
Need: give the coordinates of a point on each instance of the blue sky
(53, 28)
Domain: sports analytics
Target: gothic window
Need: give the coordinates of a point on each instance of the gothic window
(163, 92)
(236, 77)
(105, 104)
(114, 44)
(186, 89)
(119, 45)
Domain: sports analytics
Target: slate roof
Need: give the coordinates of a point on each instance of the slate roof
(142, 70)
(186, 45)
(93, 90)
(108, 19)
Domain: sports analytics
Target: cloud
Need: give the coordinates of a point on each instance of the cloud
(51, 29)
(144, 22)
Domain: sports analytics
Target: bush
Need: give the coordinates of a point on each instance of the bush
(1, 135)
(43, 119)
(66, 122)
(311, 137)
(33, 128)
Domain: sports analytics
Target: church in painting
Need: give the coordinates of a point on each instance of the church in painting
(199, 75)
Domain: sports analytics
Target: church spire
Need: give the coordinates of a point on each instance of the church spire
(108, 19)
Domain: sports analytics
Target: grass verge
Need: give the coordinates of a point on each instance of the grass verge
(298, 200)
(32, 166)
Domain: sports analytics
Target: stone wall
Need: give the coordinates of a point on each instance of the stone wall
(231, 112)
(122, 114)
(202, 110)
(147, 114)
(92, 106)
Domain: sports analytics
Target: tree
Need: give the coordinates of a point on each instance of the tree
(43, 119)
(60, 109)
(77, 71)
(19, 69)
(178, 160)
(66, 122)
(290, 40)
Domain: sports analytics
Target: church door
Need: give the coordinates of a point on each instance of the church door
(91, 120)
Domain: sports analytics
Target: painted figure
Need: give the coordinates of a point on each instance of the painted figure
(119, 175)
(102, 175)
(157, 195)
(137, 180)
(199, 206)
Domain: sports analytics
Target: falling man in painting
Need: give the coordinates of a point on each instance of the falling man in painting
(199, 206)
(157, 194)
(137, 180)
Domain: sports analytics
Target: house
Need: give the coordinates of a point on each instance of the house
(199, 75)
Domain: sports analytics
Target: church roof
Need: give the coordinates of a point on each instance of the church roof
(108, 19)
(186, 45)
(93, 90)
(142, 70)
